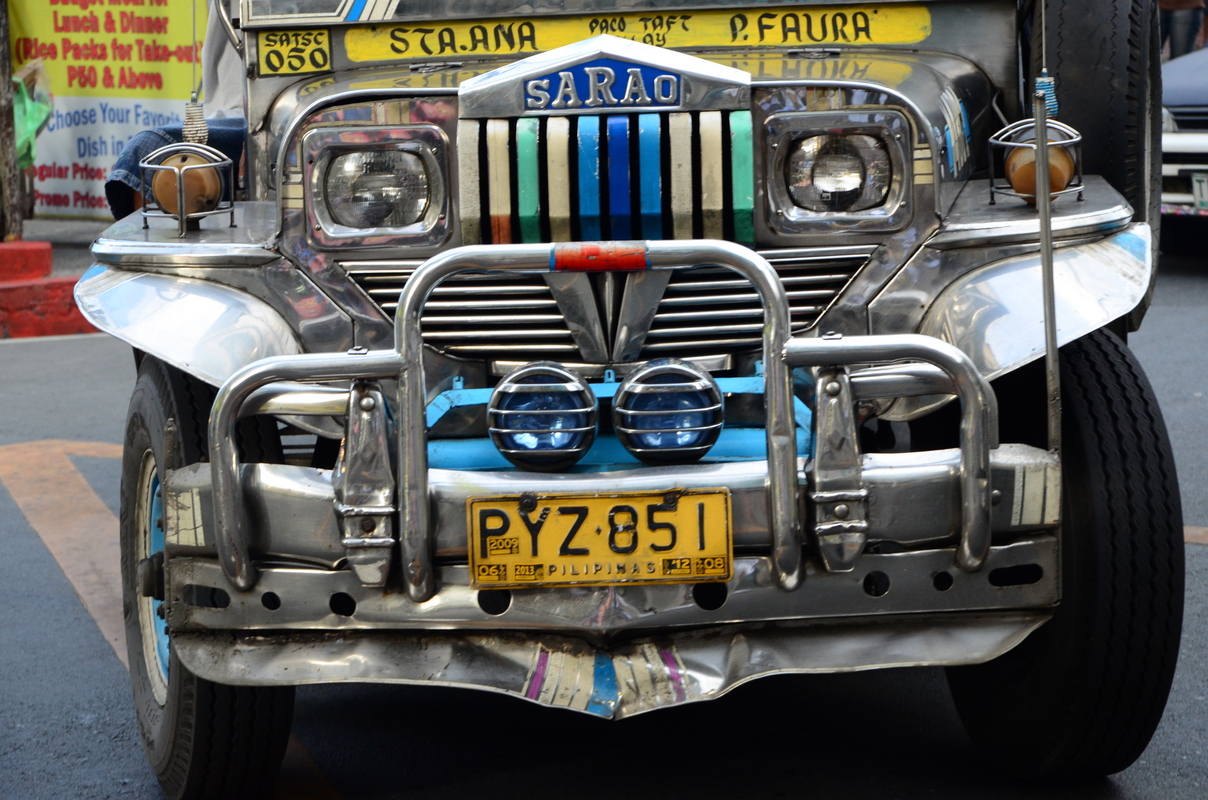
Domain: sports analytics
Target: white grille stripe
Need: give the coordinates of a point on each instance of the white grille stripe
(712, 187)
(680, 129)
(499, 170)
(468, 181)
(557, 153)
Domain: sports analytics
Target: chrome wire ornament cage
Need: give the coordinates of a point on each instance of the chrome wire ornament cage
(1009, 146)
(187, 181)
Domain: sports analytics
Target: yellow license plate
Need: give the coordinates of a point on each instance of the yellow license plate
(294, 52)
(599, 539)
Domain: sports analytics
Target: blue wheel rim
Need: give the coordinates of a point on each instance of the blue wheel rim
(155, 544)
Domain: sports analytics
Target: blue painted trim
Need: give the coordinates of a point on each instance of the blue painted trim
(454, 398)
(734, 444)
(155, 544)
(589, 178)
(358, 6)
(619, 206)
(604, 691)
(606, 453)
(651, 174)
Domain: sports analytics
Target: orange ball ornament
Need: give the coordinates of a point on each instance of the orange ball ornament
(203, 187)
(1021, 170)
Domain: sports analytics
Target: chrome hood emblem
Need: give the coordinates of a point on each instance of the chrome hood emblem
(601, 74)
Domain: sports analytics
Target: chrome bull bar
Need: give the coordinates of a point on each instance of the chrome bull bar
(979, 410)
(405, 362)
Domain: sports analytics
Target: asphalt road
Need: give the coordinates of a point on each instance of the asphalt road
(67, 728)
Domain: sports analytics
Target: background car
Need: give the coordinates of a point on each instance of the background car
(1184, 152)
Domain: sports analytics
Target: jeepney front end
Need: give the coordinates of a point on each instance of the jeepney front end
(603, 373)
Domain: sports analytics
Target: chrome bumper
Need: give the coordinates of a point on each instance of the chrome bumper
(918, 525)
(615, 682)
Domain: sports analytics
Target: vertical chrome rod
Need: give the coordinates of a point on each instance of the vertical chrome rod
(1044, 208)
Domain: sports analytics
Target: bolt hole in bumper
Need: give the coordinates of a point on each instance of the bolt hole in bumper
(902, 540)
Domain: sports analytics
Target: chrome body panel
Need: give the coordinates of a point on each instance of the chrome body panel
(973, 221)
(250, 243)
(990, 311)
(561, 671)
(206, 329)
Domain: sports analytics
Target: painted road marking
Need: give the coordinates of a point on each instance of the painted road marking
(81, 533)
(76, 526)
(1193, 535)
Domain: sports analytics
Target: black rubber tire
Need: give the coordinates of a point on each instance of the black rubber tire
(1082, 696)
(1106, 57)
(206, 740)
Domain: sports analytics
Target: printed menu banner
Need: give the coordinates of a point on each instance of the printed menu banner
(116, 67)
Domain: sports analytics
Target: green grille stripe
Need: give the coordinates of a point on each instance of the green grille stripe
(742, 171)
(527, 180)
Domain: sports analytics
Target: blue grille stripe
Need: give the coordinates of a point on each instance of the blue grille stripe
(589, 178)
(650, 172)
(619, 206)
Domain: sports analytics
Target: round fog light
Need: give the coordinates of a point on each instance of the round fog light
(668, 412)
(542, 417)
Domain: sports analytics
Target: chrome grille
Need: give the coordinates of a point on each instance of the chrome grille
(478, 316)
(704, 311)
(712, 310)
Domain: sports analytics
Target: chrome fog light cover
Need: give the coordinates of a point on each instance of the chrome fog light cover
(668, 412)
(838, 172)
(377, 188)
(542, 417)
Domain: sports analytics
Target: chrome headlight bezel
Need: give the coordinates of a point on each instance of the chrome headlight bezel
(321, 146)
(783, 131)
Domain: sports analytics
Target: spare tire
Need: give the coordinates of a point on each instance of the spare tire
(1106, 58)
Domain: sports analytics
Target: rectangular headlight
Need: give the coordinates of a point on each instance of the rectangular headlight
(382, 184)
(837, 170)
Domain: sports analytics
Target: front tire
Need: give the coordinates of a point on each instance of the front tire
(202, 739)
(1082, 696)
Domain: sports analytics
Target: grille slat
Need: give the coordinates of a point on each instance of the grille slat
(515, 317)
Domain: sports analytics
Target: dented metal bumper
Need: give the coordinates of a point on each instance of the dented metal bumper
(280, 574)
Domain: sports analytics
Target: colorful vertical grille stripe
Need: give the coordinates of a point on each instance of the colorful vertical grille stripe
(528, 180)
(650, 169)
(676, 175)
(589, 178)
(499, 169)
(619, 201)
(742, 182)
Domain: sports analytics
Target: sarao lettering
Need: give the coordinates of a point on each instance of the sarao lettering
(600, 86)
